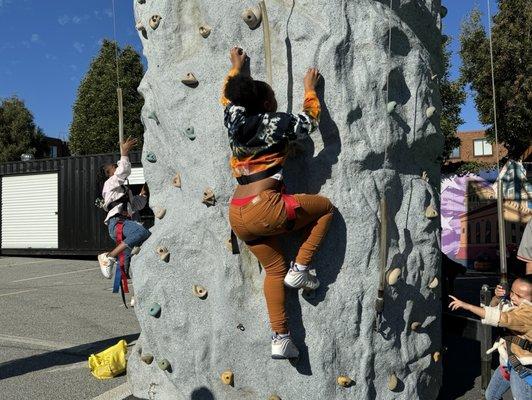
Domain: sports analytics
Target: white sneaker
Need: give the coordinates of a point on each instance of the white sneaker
(283, 347)
(107, 265)
(301, 279)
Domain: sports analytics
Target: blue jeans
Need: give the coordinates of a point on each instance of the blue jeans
(133, 233)
(498, 386)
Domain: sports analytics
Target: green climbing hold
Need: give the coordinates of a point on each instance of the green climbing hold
(151, 157)
(153, 116)
(189, 133)
(443, 11)
(155, 310)
(390, 107)
(164, 364)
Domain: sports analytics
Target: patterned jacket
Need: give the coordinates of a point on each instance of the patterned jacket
(259, 142)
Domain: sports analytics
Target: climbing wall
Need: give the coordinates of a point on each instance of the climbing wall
(205, 333)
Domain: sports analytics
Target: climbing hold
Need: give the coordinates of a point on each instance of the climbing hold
(344, 381)
(190, 80)
(135, 251)
(425, 176)
(140, 27)
(164, 364)
(393, 276)
(241, 327)
(163, 253)
(159, 212)
(141, 1)
(155, 20)
(153, 116)
(205, 31)
(199, 291)
(227, 377)
(176, 182)
(155, 310)
(252, 17)
(436, 356)
(392, 382)
(444, 38)
(431, 212)
(390, 107)
(415, 326)
(208, 197)
(189, 133)
(430, 112)
(151, 157)
(434, 77)
(274, 397)
(132, 302)
(443, 11)
(434, 283)
(147, 358)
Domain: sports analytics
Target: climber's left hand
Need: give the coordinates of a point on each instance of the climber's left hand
(238, 57)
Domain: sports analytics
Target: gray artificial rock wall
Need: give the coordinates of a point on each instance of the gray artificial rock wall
(359, 154)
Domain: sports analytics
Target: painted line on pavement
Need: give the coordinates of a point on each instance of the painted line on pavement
(118, 393)
(30, 262)
(52, 275)
(48, 344)
(78, 365)
(19, 292)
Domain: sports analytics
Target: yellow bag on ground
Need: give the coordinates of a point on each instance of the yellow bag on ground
(110, 362)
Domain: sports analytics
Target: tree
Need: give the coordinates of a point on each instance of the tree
(452, 97)
(18, 132)
(512, 46)
(94, 126)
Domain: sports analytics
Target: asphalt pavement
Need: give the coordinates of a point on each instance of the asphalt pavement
(55, 313)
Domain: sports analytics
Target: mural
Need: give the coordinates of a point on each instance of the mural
(469, 214)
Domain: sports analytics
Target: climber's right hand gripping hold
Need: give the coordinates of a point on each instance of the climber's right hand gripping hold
(238, 58)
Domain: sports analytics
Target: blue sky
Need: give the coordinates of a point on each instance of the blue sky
(47, 47)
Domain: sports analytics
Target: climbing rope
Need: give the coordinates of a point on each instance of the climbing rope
(267, 42)
(389, 66)
(118, 88)
(500, 211)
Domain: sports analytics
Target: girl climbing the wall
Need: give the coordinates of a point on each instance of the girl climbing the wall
(260, 211)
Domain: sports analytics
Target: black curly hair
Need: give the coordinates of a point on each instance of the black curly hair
(244, 91)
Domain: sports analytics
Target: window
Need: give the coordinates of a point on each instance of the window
(455, 153)
(487, 237)
(477, 232)
(481, 147)
(53, 151)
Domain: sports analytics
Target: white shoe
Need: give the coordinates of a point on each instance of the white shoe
(283, 347)
(301, 279)
(107, 265)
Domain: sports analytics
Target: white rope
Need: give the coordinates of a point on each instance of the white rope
(118, 88)
(389, 66)
(500, 209)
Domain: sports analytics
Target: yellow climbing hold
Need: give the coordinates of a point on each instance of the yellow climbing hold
(274, 397)
(393, 276)
(227, 377)
(199, 291)
(391, 106)
(205, 31)
(252, 17)
(155, 20)
(344, 381)
(436, 356)
(147, 358)
(415, 326)
(434, 283)
(163, 252)
(392, 382)
(176, 182)
(208, 197)
(430, 212)
(159, 212)
(430, 111)
(190, 80)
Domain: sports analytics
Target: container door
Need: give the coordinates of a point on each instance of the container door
(29, 211)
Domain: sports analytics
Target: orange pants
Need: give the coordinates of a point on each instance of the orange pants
(260, 223)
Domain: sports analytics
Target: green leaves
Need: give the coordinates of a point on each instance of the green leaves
(94, 126)
(18, 133)
(512, 57)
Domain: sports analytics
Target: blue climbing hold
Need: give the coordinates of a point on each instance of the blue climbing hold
(151, 157)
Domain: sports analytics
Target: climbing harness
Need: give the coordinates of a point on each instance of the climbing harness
(524, 372)
(120, 281)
